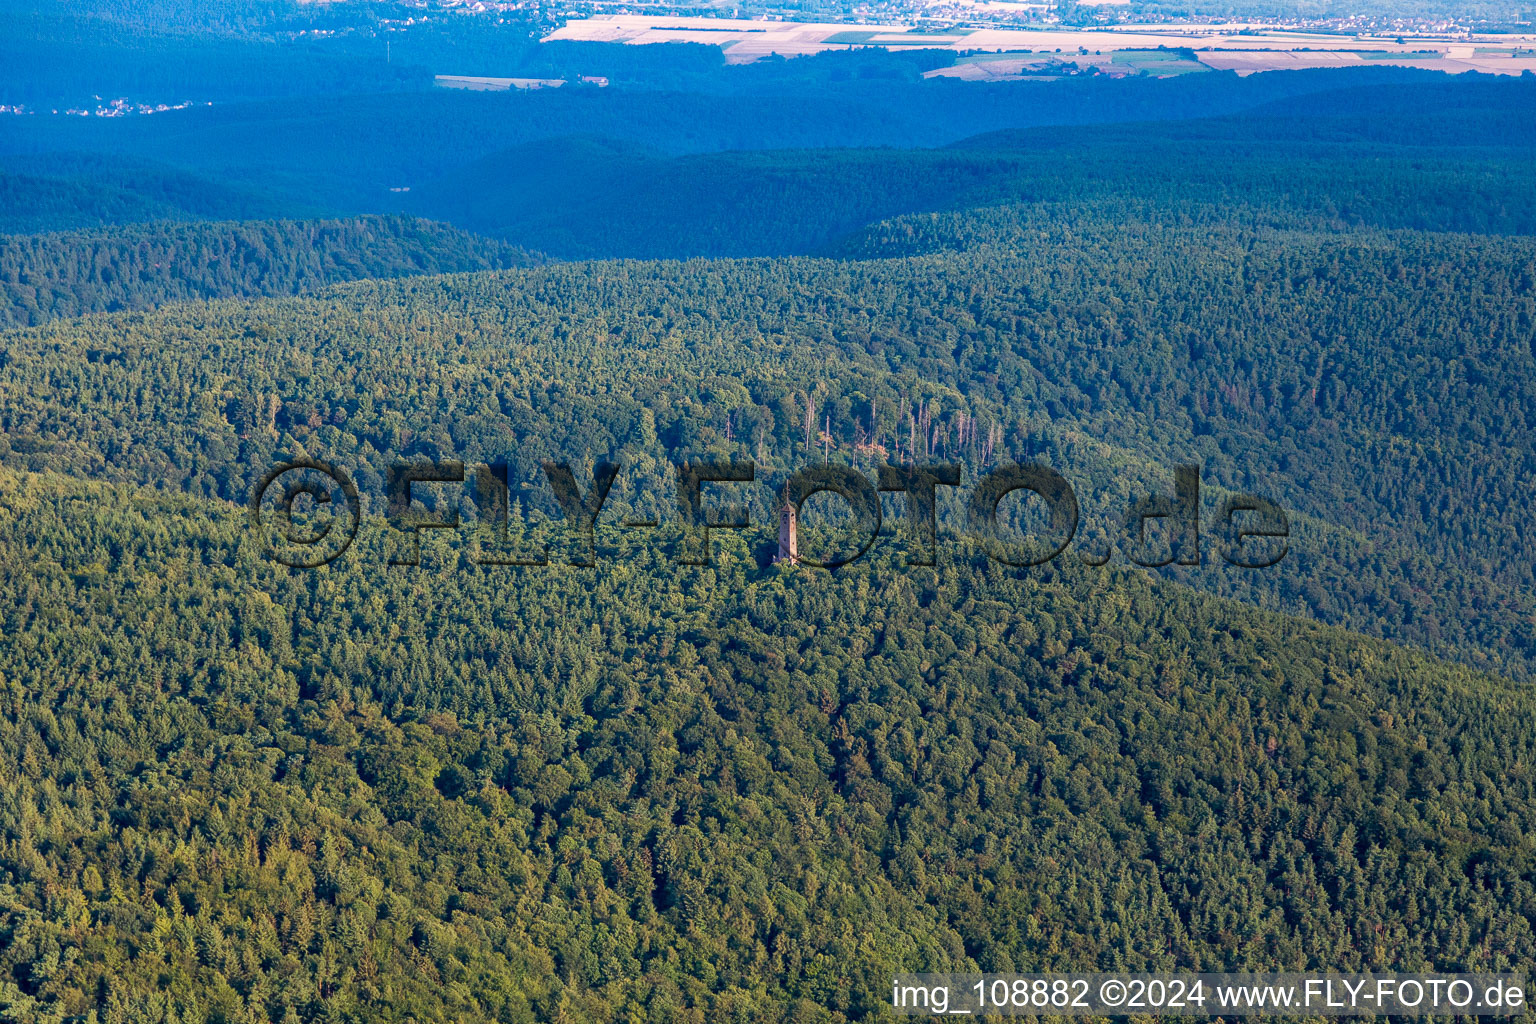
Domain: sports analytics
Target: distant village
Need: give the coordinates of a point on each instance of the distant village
(1387, 20)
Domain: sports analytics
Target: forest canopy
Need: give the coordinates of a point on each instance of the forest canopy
(645, 790)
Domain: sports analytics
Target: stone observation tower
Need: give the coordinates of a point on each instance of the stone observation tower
(789, 547)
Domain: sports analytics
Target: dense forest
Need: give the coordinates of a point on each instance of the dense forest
(1425, 155)
(644, 790)
(1403, 453)
(583, 198)
(60, 192)
(142, 266)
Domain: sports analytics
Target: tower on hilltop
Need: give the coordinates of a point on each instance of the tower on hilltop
(789, 545)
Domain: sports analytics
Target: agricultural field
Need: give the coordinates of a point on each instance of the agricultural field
(481, 83)
(1160, 63)
(1153, 50)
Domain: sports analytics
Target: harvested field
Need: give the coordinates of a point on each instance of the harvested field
(480, 83)
(1236, 47)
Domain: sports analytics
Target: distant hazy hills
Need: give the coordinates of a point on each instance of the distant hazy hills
(1361, 156)
(348, 153)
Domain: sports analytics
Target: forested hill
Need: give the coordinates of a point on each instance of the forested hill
(1471, 113)
(580, 198)
(66, 192)
(1364, 155)
(1377, 385)
(142, 266)
(651, 793)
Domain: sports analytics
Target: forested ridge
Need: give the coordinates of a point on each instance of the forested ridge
(645, 792)
(600, 201)
(143, 266)
(757, 171)
(1429, 156)
(69, 192)
(1401, 452)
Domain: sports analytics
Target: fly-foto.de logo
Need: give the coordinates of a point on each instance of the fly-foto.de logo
(307, 513)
